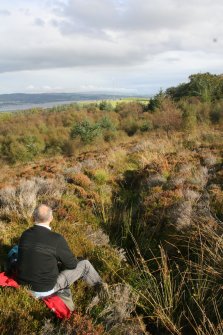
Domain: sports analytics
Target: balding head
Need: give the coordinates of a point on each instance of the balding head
(43, 214)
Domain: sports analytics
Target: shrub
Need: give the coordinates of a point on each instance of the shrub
(110, 135)
(18, 152)
(189, 118)
(86, 130)
(130, 126)
(146, 126)
(106, 123)
(23, 148)
(216, 115)
(125, 109)
(155, 102)
(69, 148)
(55, 141)
(105, 106)
(35, 145)
(79, 179)
(167, 120)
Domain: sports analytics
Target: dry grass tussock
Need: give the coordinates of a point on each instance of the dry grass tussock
(22, 199)
(119, 303)
(182, 291)
(97, 236)
(77, 325)
(155, 149)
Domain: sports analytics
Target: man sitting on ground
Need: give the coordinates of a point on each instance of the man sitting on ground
(39, 252)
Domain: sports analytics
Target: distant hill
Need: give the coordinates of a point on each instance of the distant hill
(16, 101)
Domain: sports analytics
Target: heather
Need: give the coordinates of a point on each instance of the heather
(137, 189)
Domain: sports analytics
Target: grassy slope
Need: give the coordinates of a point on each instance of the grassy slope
(140, 187)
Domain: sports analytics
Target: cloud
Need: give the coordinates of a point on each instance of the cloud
(109, 33)
(153, 27)
(4, 12)
(95, 88)
(131, 15)
(42, 89)
(125, 38)
(39, 22)
(30, 87)
(78, 55)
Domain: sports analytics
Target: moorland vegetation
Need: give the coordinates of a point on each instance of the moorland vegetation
(136, 188)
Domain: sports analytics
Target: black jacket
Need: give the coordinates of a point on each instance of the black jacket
(39, 252)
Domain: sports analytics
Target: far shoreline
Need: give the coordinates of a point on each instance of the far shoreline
(46, 105)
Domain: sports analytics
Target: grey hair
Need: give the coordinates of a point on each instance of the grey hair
(42, 213)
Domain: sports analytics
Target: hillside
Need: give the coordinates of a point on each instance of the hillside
(24, 101)
(135, 188)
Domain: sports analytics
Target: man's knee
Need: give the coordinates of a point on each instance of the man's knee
(85, 263)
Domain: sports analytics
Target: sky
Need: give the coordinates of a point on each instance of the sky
(127, 46)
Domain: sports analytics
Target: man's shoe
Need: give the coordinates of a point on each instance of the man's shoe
(102, 290)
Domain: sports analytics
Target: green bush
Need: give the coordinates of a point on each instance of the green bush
(86, 130)
(130, 126)
(216, 115)
(155, 102)
(189, 117)
(69, 148)
(105, 106)
(55, 140)
(22, 149)
(19, 152)
(110, 135)
(34, 145)
(208, 87)
(106, 123)
(146, 126)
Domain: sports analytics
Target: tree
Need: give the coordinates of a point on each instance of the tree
(178, 92)
(86, 130)
(156, 101)
(208, 87)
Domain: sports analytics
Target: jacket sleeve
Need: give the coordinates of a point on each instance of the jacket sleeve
(64, 254)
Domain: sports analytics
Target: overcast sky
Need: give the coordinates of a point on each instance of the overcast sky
(129, 46)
